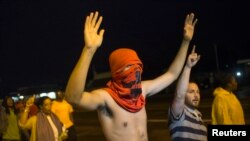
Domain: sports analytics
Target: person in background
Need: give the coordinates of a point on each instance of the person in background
(3, 120)
(226, 108)
(185, 121)
(121, 103)
(63, 110)
(45, 126)
(12, 132)
(33, 110)
(20, 106)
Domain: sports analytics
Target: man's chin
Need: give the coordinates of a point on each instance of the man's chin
(195, 104)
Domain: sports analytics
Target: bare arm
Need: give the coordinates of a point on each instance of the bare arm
(25, 113)
(76, 83)
(156, 85)
(182, 84)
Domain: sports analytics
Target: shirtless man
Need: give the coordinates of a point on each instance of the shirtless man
(121, 104)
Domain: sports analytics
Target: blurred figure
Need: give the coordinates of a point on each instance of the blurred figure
(185, 121)
(226, 108)
(12, 133)
(33, 110)
(20, 105)
(45, 126)
(63, 110)
(3, 120)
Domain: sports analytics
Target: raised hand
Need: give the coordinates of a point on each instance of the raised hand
(30, 101)
(92, 38)
(189, 26)
(193, 58)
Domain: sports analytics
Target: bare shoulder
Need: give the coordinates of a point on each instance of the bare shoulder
(99, 92)
(102, 94)
(93, 99)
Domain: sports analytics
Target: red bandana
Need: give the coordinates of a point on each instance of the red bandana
(125, 86)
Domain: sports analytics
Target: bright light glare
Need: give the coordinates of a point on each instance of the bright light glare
(52, 95)
(43, 94)
(21, 97)
(238, 74)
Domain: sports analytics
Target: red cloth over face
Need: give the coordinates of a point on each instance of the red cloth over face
(125, 86)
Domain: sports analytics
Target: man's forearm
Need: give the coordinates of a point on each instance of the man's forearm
(183, 82)
(77, 80)
(177, 65)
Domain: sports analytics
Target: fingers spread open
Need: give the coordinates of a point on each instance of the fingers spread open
(190, 19)
(98, 24)
(86, 23)
(93, 22)
(195, 21)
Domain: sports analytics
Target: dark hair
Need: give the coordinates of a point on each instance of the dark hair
(192, 81)
(225, 79)
(41, 100)
(6, 106)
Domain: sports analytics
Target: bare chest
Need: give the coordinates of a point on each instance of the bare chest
(118, 123)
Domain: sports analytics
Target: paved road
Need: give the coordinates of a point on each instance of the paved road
(88, 127)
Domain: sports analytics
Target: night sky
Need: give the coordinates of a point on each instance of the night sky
(41, 40)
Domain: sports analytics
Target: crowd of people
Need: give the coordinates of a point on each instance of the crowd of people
(120, 104)
(37, 119)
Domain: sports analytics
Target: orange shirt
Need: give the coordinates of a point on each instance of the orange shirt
(63, 110)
